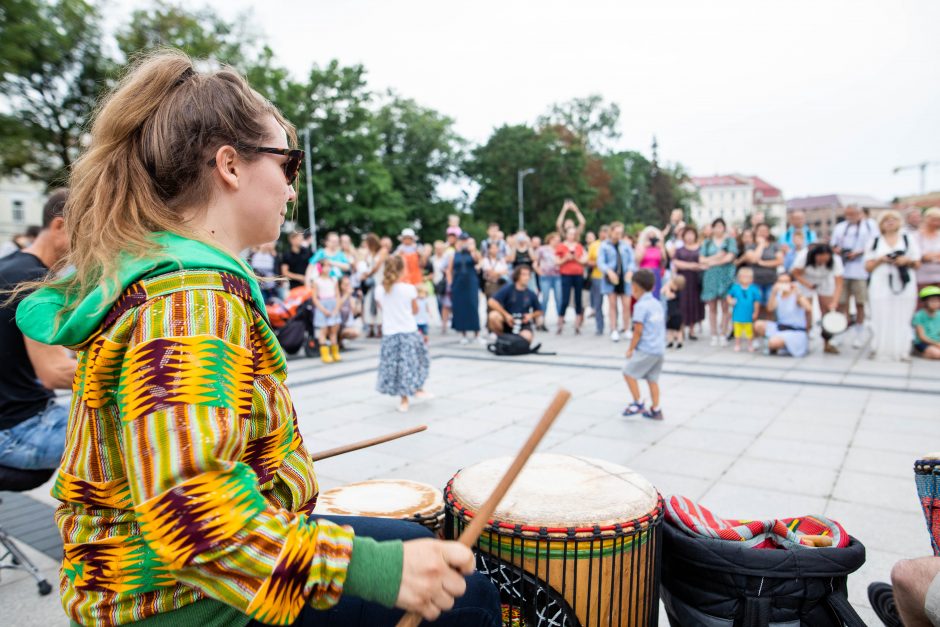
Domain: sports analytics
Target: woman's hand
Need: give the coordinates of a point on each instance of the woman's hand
(433, 576)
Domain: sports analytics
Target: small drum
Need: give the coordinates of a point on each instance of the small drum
(834, 323)
(386, 498)
(575, 542)
(927, 478)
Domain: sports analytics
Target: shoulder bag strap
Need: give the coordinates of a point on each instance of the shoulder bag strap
(844, 610)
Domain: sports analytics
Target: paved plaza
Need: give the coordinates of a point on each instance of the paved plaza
(747, 435)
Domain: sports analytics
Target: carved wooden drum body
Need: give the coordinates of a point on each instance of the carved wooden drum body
(575, 543)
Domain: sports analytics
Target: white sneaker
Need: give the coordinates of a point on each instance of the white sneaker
(628, 334)
(723, 340)
(614, 336)
(464, 341)
(714, 341)
(482, 341)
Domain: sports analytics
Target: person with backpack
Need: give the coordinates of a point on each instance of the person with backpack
(891, 258)
(515, 308)
(187, 489)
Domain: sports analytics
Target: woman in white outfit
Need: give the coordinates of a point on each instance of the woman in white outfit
(891, 258)
(372, 275)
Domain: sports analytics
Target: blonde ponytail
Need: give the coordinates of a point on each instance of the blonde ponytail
(394, 266)
(151, 139)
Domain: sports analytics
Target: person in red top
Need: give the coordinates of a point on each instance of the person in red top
(571, 260)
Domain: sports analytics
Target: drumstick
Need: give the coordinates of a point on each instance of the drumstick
(472, 533)
(355, 446)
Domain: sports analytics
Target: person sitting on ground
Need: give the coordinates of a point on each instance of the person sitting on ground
(927, 324)
(788, 333)
(744, 300)
(647, 347)
(515, 308)
(820, 271)
(32, 423)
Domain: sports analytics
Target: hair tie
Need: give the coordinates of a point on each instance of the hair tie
(185, 75)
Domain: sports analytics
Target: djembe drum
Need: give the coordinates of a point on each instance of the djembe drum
(575, 543)
(386, 498)
(927, 478)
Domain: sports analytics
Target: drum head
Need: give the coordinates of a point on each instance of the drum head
(559, 491)
(835, 322)
(386, 498)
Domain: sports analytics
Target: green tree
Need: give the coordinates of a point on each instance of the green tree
(559, 160)
(199, 33)
(52, 70)
(591, 119)
(420, 150)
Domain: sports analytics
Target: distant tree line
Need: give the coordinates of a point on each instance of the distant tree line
(378, 159)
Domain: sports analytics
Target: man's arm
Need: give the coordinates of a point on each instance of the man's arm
(53, 365)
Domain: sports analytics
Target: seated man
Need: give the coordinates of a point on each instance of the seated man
(917, 591)
(32, 424)
(515, 306)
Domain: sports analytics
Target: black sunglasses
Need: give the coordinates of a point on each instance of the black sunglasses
(291, 167)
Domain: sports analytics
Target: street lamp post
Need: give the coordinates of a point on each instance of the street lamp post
(311, 209)
(520, 192)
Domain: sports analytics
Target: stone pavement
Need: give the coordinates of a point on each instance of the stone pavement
(747, 435)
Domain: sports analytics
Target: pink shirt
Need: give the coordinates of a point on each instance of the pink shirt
(652, 258)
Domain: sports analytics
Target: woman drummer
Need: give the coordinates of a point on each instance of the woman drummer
(185, 485)
(818, 271)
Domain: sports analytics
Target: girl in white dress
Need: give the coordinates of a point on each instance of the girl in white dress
(890, 258)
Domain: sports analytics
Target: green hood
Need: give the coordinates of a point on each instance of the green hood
(36, 314)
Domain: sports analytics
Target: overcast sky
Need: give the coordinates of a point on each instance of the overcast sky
(816, 96)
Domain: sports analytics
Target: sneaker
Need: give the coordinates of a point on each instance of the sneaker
(634, 408)
(482, 341)
(653, 414)
(628, 334)
(859, 339)
(832, 350)
(714, 341)
(881, 597)
(614, 336)
(670, 344)
(722, 341)
(679, 345)
(464, 341)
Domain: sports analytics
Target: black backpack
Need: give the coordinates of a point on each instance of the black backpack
(714, 583)
(512, 344)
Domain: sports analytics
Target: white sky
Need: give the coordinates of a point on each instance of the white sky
(820, 96)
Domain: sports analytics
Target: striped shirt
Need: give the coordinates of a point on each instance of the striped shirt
(184, 475)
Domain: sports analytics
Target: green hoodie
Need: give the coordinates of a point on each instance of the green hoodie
(36, 315)
(375, 568)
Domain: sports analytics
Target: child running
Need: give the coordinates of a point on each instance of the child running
(670, 293)
(326, 314)
(744, 299)
(403, 359)
(647, 347)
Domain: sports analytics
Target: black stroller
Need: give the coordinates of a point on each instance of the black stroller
(298, 332)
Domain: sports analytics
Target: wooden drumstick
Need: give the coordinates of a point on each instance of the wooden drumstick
(355, 446)
(472, 532)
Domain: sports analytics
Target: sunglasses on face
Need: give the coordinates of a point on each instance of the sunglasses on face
(291, 166)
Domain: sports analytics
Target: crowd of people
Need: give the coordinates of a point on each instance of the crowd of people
(740, 284)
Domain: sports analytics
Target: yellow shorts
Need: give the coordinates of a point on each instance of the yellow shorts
(744, 329)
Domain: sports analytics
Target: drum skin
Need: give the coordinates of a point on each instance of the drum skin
(585, 528)
(386, 498)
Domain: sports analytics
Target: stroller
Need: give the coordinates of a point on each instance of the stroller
(292, 320)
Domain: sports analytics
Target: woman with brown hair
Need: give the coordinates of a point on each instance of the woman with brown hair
(185, 484)
(374, 263)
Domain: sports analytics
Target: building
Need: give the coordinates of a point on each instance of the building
(21, 202)
(823, 212)
(734, 197)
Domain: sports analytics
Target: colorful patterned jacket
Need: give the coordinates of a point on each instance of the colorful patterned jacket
(184, 475)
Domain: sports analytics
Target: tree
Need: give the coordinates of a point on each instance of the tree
(420, 150)
(559, 160)
(200, 33)
(52, 70)
(590, 119)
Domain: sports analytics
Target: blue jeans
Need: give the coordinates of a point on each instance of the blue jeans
(598, 302)
(550, 285)
(37, 442)
(571, 282)
(478, 607)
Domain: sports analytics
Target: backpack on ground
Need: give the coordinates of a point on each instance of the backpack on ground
(512, 344)
(715, 583)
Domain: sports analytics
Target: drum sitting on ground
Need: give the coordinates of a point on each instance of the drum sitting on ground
(927, 478)
(386, 498)
(575, 543)
(834, 323)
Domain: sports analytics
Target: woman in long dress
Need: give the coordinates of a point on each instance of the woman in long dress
(891, 259)
(718, 254)
(687, 264)
(371, 276)
(465, 289)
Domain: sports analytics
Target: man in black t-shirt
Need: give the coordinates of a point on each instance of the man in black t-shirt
(294, 260)
(514, 307)
(32, 424)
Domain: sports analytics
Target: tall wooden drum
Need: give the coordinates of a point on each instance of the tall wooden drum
(575, 543)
